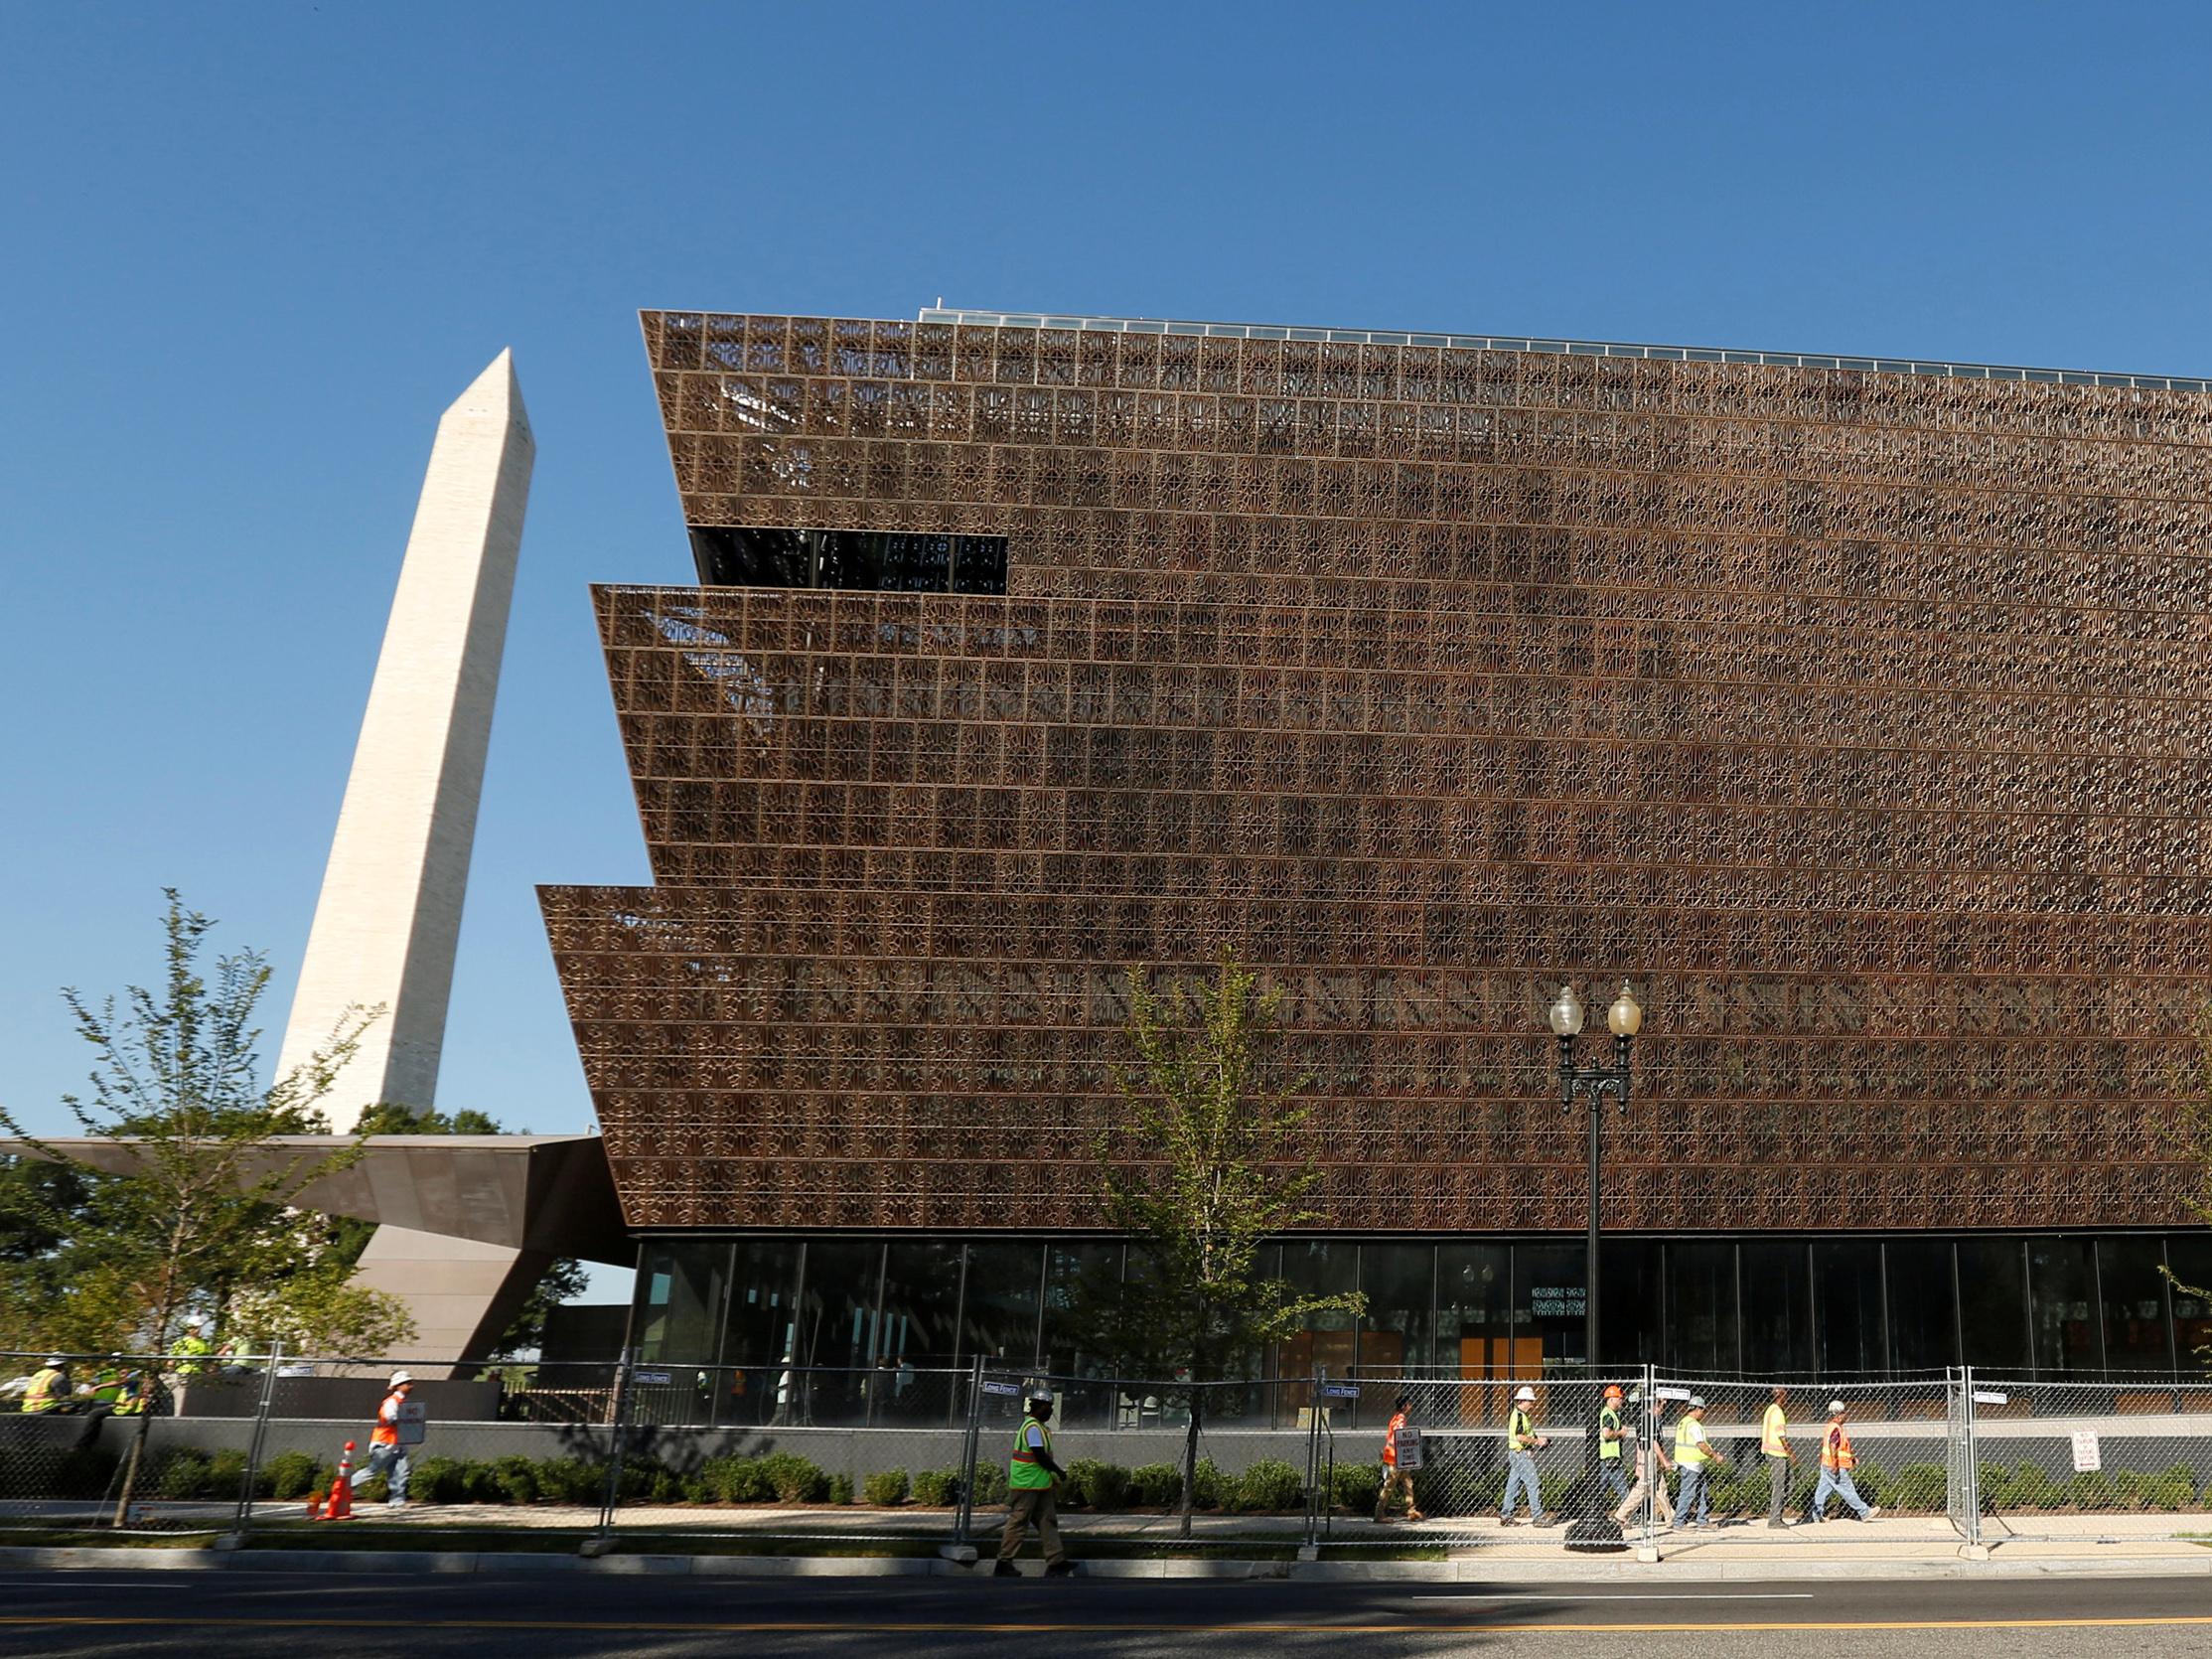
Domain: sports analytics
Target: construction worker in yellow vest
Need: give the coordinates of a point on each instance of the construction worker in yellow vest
(191, 1347)
(1774, 1446)
(48, 1390)
(1523, 1442)
(1694, 1455)
(1836, 1462)
(1612, 1435)
(1030, 1474)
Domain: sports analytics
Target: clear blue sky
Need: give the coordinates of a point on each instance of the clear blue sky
(248, 252)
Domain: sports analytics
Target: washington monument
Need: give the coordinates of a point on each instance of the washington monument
(388, 919)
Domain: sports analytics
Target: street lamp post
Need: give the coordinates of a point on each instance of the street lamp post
(1624, 1020)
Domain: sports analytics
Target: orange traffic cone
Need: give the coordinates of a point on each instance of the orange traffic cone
(340, 1506)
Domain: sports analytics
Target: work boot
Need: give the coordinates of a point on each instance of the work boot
(1059, 1568)
(1005, 1570)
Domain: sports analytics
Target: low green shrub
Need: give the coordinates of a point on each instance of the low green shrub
(439, 1481)
(182, 1473)
(792, 1478)
(294, 1475)
(2092, 1489)
(226, 1475)
(569, 1481)
(990, 1484)
(1152, 1485)
(1269, 1487)
(2031, 1488)
(886, 1488)
(2170, 1493)
(840, 1488)
(2130, 1488)
(735, 1480)
(2181, 1474)
(1924, 1488)
(1210, 1487)
(1356, 1486)
(515, 1478)
(1097, 1486)
(936, 1488)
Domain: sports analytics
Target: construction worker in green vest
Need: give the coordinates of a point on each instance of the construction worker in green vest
(1030, 1474)
(48, 1390)
(1695, 1457)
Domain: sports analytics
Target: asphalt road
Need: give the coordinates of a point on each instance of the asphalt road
(281, 1615)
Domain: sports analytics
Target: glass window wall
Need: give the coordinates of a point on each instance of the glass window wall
(1847, 1333)
(1474, 1289)
(1550, 1302)
(1702, 1333)
(1923, 1310)
(761, 1334)
(1398, 1281)
(2189, 1255)
(1777, 1305)
(2062, 1305)
(680, 1287)
(2134, 1291)
(1992, 1302)
(1631, 1308)
(999, 1310)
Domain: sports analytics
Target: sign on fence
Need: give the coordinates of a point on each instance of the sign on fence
(2087, 1456)
(663, 1377)
(1671, 1393)
(1990, 1397)
(1408, 1444)
(1011, 1391)
(1338, 1391)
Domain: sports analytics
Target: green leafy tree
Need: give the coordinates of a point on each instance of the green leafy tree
(1208, 1163)
(203, 1214)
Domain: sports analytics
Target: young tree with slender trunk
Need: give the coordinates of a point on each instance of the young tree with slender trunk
(200, 1218)
(1208, 1163)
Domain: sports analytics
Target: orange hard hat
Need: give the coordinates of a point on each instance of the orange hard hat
(1614, 1391)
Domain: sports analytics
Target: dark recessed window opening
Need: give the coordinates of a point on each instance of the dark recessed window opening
(852, 560)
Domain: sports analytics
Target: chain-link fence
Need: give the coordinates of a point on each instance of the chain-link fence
(219, 1443)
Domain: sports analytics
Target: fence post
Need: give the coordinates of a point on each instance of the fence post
(1317, 1499)
(1971, 1465)
(618, 1433)
(244, 1516)
(967, 1451)
(1649, 1469)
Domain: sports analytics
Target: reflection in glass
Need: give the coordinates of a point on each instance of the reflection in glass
(1992, 1302)
(998, 1317)
(838, 1322)
(2135, 1300)
(1400, 1284)
(680, 1295)
(1923, 1315)
(1077, 1275)
(1777, 1306)
(2189, 1255)
(761, 1334)
(2062, 1297)
(1629, 1318)
(1551, 1303)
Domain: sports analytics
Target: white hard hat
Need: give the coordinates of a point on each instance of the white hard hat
(1524, 1392)
(1696, 1403)
(1835, 1405)
(56, 1361)
(196, 1318)
(399, 1377)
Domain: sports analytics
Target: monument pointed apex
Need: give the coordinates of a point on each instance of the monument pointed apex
(494, 394)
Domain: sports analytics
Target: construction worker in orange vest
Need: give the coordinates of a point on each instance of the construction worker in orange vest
(1396, 1483)
(387, 1454)
(1837, 1463)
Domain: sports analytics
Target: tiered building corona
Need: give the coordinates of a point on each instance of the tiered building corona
(1854, 711)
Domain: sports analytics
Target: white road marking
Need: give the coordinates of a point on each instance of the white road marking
(1636, 1595)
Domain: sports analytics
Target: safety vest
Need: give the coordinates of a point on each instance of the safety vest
(1521, 1433)
(1691, 1445)
(1608, 1419)
(386, 1431)
(1835, 1450)
(1771, 1429)
(39, 1397)
(132, 1401)
(188, 1348)
(1024, 1472)
(1390, 1439)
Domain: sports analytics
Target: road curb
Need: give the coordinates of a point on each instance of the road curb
(416, 1563)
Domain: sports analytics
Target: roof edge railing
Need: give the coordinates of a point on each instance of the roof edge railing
(1565, 347)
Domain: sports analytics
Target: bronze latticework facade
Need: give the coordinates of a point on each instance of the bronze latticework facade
(1858, 715)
